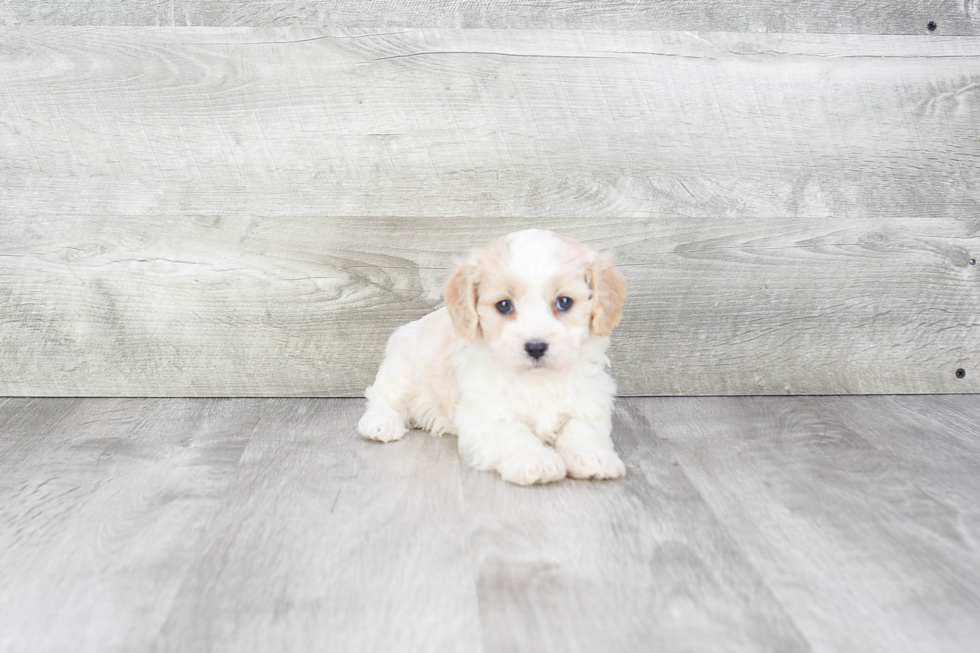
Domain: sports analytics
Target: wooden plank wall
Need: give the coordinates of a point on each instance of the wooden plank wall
(959, 17)
(248, 206)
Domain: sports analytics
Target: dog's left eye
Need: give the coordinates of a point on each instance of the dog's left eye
(505, 306)
(564, 303)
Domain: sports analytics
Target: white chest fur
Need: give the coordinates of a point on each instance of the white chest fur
(543, 400)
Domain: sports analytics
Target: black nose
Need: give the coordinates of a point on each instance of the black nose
(536, 349)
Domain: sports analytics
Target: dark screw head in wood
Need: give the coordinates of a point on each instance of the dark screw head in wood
(931, 26)
(960, 373)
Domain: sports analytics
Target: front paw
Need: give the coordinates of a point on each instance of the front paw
(542, 465)
(382, 424)
(593, 463)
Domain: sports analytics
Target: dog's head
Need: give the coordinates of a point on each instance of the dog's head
(535, 297)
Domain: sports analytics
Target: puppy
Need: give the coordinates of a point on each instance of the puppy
(514, 365)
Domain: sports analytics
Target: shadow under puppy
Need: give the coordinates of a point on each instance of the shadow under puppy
(515, 365)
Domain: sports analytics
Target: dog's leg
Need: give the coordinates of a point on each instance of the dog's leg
(587, 449)
(511, 450)
(386, 416)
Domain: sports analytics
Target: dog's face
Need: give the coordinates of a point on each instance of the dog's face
(535, 297)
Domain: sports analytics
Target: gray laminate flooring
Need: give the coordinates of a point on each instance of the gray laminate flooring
(743, 524)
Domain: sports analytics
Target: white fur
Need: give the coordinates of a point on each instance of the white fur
(531, 421)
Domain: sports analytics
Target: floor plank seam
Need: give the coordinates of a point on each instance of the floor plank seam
(201, 544)
(734, 541)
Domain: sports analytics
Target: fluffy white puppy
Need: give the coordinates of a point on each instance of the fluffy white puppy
(514, 365)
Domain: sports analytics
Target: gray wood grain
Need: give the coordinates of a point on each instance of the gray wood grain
(328, 542)
(934, 444)
(251, 212)
(616, 566)
(102, 506)
(847, 16)
(304, 306)
(487, 123)
(743, 524)
(844, 532)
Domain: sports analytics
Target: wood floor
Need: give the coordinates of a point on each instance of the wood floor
(743, 524)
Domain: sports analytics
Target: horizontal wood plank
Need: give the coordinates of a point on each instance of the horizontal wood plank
(491, 123)
(252, 211)
(845, 17)
(269, 306)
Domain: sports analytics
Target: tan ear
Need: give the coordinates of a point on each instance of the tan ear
(608, 292)
(460, 294)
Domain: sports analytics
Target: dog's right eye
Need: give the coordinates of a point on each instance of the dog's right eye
(505, 306)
